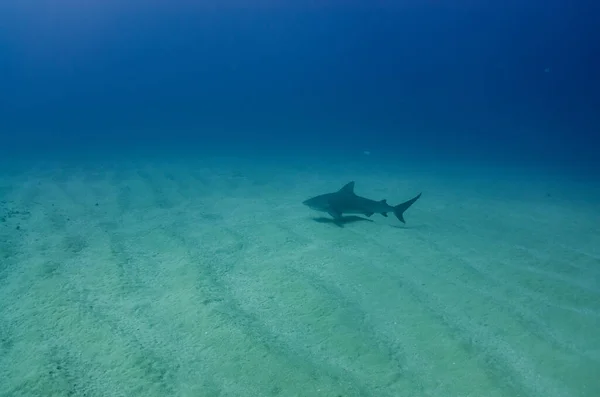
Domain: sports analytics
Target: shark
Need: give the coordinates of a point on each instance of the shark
(345, 201)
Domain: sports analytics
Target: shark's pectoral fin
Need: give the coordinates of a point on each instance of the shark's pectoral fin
(335, 214)
(384, 214)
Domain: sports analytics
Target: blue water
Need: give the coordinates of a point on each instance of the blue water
(510, 82)
(153, 160)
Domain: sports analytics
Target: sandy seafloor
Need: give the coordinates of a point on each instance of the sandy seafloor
(179, 277)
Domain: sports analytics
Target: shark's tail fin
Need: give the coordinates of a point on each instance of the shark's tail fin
(400, 208)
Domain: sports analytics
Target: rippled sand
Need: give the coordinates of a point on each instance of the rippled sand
(173, 279)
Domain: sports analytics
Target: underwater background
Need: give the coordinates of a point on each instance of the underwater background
(513, 82)
(154, 161)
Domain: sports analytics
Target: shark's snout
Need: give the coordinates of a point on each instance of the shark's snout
(312, 203)
(308, 202)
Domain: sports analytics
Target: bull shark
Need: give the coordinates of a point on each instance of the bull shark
(345, 201)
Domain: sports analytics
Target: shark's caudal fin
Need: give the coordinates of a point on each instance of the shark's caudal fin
(400, 208)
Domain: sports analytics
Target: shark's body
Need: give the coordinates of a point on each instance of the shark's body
(345, 201)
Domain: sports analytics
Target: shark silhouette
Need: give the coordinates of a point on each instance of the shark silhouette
(345, 201)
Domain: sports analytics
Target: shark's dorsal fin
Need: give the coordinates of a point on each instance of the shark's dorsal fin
(348, 188)
(384, 201)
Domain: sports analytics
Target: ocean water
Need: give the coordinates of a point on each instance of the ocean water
(154, 157)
